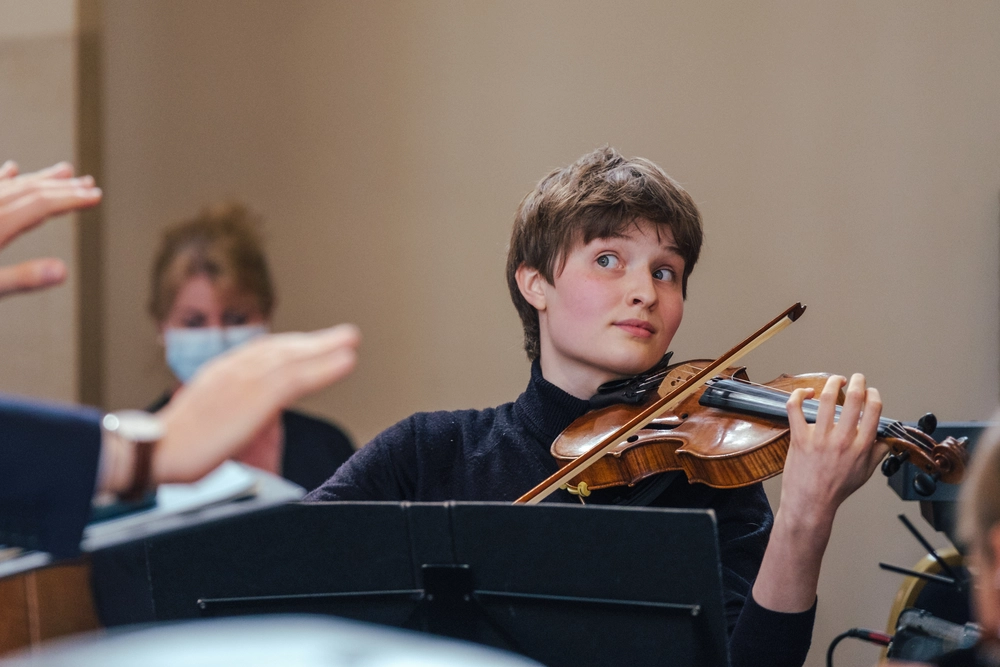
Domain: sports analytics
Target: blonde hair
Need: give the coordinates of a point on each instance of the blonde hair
(980, 493)
(222, 243)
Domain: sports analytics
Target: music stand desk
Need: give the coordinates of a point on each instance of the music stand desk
(562, 584)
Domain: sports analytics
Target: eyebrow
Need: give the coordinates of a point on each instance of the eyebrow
(672, 249)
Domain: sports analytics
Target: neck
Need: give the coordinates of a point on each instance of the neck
(576, 381)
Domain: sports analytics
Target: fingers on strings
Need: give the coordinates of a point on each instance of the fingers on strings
(861, 409)
(796, 417)
(855, 398)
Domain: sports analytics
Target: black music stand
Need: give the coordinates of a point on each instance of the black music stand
(562, 584)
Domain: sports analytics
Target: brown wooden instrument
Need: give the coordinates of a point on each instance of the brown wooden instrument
(727, 434)
(731, 433)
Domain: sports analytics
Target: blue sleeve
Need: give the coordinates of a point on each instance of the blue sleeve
(48, 468)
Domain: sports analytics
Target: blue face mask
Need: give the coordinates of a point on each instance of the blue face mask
(189, 349)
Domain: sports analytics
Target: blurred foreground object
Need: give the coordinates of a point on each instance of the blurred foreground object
(26, 201)
(269, 640)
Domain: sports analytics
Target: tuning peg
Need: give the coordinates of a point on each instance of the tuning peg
(927, 423)
(893, 463)
(925, 484)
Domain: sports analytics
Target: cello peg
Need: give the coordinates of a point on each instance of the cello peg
(927, 423)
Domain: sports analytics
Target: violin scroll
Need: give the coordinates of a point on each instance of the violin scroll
(937, 461)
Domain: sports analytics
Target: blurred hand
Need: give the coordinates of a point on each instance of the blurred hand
(25, 202)
(237, 394)
(265, 449)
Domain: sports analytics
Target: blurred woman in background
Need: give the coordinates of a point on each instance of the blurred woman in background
(211, 291)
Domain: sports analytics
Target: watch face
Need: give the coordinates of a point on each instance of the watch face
(134, 425)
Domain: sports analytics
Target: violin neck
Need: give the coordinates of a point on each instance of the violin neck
(739, 396)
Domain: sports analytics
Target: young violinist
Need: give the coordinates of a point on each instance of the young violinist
(599, 260)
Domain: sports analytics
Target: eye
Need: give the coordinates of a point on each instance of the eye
(234, 319)
(664, 274)
(608, 262)
(194, 321)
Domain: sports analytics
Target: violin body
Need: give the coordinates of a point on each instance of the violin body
(719, 448)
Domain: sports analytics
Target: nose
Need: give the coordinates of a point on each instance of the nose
(642, 289)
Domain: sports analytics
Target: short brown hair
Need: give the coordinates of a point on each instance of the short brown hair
(598, 196)
(980, 492)
(221, 242)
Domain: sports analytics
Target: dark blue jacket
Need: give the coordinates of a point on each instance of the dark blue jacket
(48, 468)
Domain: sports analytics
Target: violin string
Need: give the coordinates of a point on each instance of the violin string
(890, 426)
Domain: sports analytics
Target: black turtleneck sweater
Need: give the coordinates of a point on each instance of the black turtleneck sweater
(499, 453)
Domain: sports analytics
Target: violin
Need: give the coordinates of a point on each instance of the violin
(731, 433)
(708, 420)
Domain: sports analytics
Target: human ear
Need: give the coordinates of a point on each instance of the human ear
(530, 282)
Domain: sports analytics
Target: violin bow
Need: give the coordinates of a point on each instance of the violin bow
(562, 476)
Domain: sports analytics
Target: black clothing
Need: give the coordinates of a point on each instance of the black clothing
(977, 656)
(313, 449)
(499, 453)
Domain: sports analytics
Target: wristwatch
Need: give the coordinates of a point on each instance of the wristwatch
(143, 430)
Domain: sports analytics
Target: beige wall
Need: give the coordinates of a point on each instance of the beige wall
(38, 332)
(843, 154)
